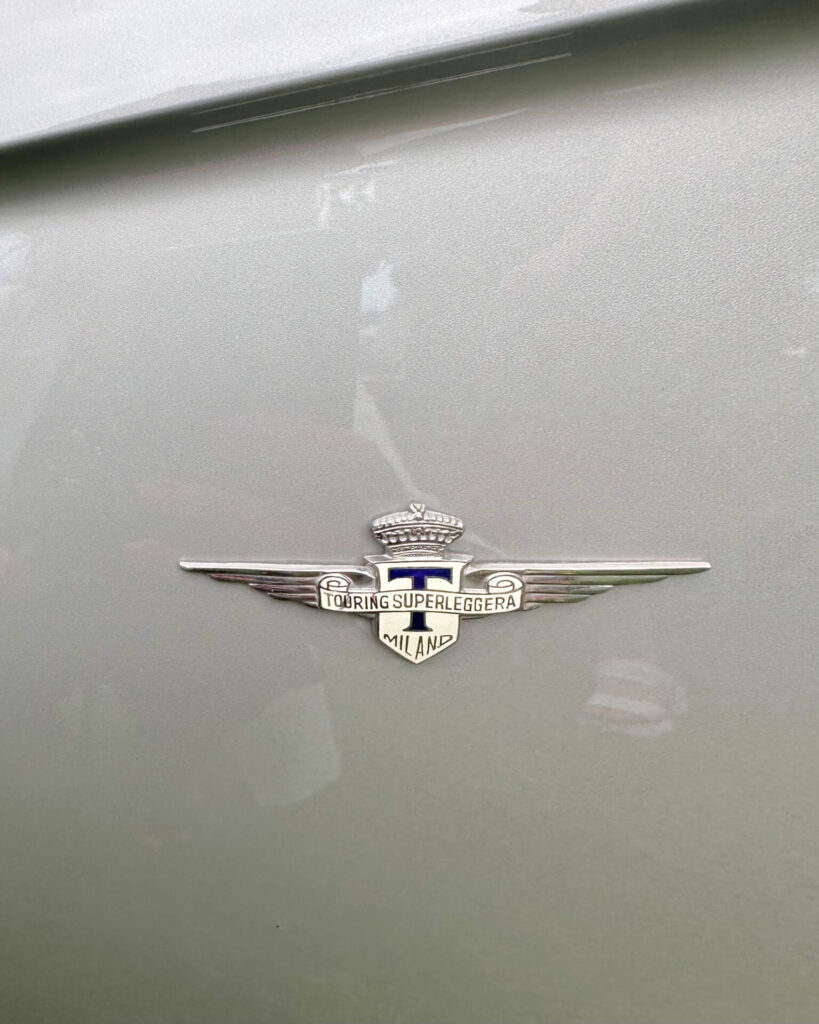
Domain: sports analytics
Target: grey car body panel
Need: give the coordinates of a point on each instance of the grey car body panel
(575, 304)
(64, 65)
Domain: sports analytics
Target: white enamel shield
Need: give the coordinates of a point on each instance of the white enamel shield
(412, 628)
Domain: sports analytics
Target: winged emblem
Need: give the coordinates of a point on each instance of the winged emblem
(417, 594)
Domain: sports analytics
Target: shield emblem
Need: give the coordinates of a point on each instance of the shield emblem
(416, 631)
(414, 593)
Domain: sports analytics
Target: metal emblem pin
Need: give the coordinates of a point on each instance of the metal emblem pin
(417, 594)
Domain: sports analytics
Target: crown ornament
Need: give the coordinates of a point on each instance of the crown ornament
(417, 531)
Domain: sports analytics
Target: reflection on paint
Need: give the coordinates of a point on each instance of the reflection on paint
(634, 698)
(287, 752)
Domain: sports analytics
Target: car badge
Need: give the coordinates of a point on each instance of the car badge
(417, 594)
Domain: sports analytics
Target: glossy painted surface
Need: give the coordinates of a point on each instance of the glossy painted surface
(65, 64)
(575, 305)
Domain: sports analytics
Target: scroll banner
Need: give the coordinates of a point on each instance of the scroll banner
(504, 593)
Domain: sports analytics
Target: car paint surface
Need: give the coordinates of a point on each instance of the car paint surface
(64, 65)
(573, 303)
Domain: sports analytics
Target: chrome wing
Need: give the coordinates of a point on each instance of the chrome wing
(284, 582)
(559, 582)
